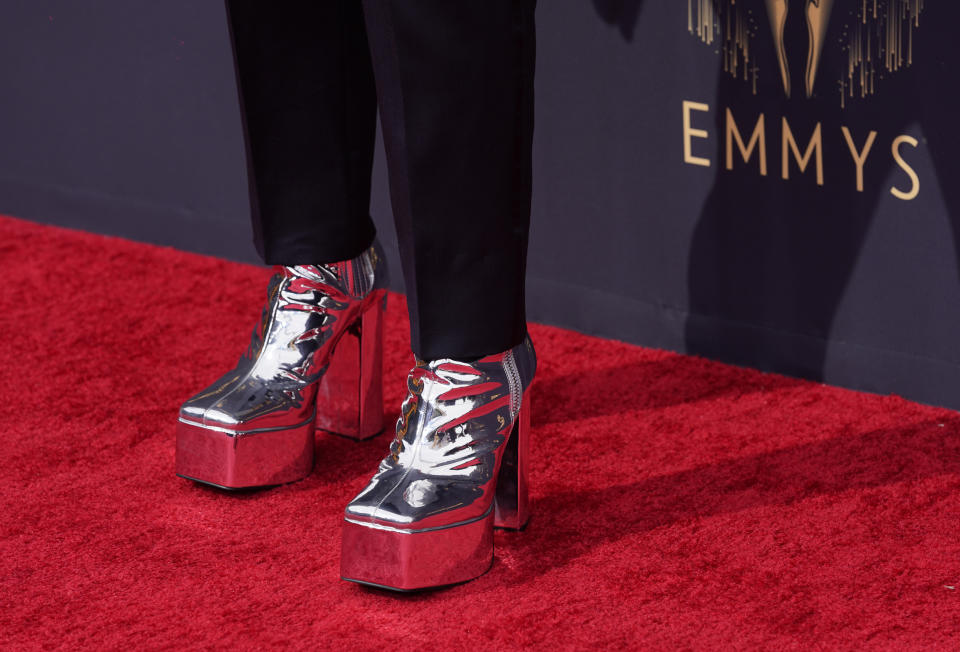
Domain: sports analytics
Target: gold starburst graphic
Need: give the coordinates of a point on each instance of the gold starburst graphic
(725, 24)
(877, 38)
(878, 41)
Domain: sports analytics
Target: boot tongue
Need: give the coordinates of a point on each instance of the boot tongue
(317, 273)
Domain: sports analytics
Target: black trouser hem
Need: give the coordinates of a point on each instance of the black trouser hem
(331, 246)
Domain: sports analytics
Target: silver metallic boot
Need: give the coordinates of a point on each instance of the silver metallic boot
(457, 468)
(315, 360)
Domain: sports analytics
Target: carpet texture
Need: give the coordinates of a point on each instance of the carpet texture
(678, 503)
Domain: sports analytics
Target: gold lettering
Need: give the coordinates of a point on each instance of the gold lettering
(790, 144)
(689, 133)
(746, 151)
(859, 158)
(915, 180)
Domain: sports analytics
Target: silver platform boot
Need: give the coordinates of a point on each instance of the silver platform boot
(315, 360)
(457, 468)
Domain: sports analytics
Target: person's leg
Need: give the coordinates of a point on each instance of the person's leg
(309, 106)
(455, 88)
(314, 360)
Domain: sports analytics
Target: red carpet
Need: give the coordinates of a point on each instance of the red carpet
(678, 503)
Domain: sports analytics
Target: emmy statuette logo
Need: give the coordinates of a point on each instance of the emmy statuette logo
(876, 42)
(817, 14)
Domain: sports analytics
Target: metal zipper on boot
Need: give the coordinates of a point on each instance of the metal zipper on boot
(513, 381)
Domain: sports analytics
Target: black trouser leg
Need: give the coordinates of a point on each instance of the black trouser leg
(455, 88)
(309, 107)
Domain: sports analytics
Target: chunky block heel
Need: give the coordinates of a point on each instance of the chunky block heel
(511, 502)
(350, 396)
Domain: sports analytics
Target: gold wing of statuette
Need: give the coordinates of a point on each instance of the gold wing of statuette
(818, 17)
(777, 12)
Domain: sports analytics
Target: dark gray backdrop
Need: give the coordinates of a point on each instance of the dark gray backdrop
(120, 116)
